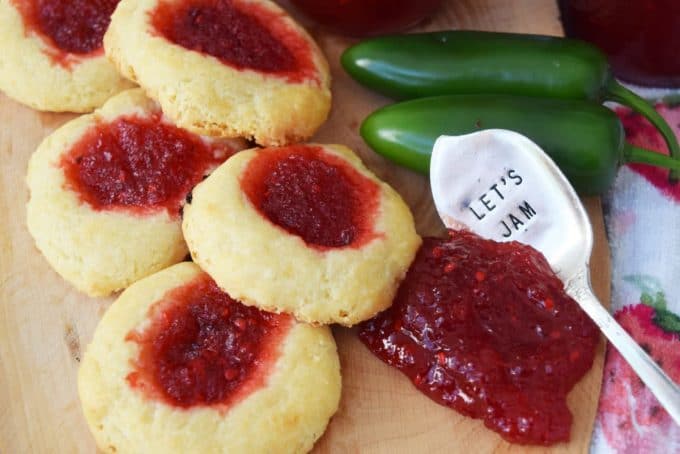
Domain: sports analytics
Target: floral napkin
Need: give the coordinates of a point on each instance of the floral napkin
(642, 216)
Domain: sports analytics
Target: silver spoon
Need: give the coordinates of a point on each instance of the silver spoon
(502, 186)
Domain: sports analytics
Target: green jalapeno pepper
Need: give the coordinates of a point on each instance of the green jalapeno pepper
(585, 140)
(474, 62)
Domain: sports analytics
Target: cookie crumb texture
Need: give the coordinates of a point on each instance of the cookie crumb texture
(52, 54)
(305, 229)
(104, 208)
(227, 68)
(281, 402)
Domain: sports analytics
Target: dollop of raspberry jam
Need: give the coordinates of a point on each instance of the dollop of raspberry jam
(203, 348)
(487, 329)
(244, 35)
(313, 194)
(72, 26)
(139, 164)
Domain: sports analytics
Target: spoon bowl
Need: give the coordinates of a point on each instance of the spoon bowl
(502, 186)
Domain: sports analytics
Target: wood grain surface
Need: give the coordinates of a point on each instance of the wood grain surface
(45, 324)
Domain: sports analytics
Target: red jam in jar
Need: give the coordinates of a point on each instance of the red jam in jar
(367, 17)
(487, 329)
(641, 37)
(244, 35)
(140, 164)
(202, 348)
(312, 194)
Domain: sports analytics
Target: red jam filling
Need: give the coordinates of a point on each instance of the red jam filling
(242, 35)
(202, 348)
(72, 26)
(139, 164)
(487, 329)
(313, 194)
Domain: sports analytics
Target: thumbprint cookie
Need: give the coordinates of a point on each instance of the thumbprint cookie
(227, 68)
(107, 190)
(178, 366)
(302, 229)
(53, 56)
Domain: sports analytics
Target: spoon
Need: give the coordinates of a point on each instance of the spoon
(502, 186)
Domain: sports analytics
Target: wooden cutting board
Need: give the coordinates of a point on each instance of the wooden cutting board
(45, 324)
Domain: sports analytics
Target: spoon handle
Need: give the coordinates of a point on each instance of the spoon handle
(660, 384)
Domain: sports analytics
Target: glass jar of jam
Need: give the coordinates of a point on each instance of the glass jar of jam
(641, 37)
(367, 17)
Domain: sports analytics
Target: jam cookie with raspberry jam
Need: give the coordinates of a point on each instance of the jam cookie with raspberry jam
(178, 366)
(227, 68)
(303, 229)
(107, 190)
(52, 54)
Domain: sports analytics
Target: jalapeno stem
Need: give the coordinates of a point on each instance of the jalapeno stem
(643, 156)
(616, 92)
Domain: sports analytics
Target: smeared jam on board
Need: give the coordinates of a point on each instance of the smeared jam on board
(202, 348)
(487, 329)
(139, 164)
(71, 26)
(241, 35)
(312, 194)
